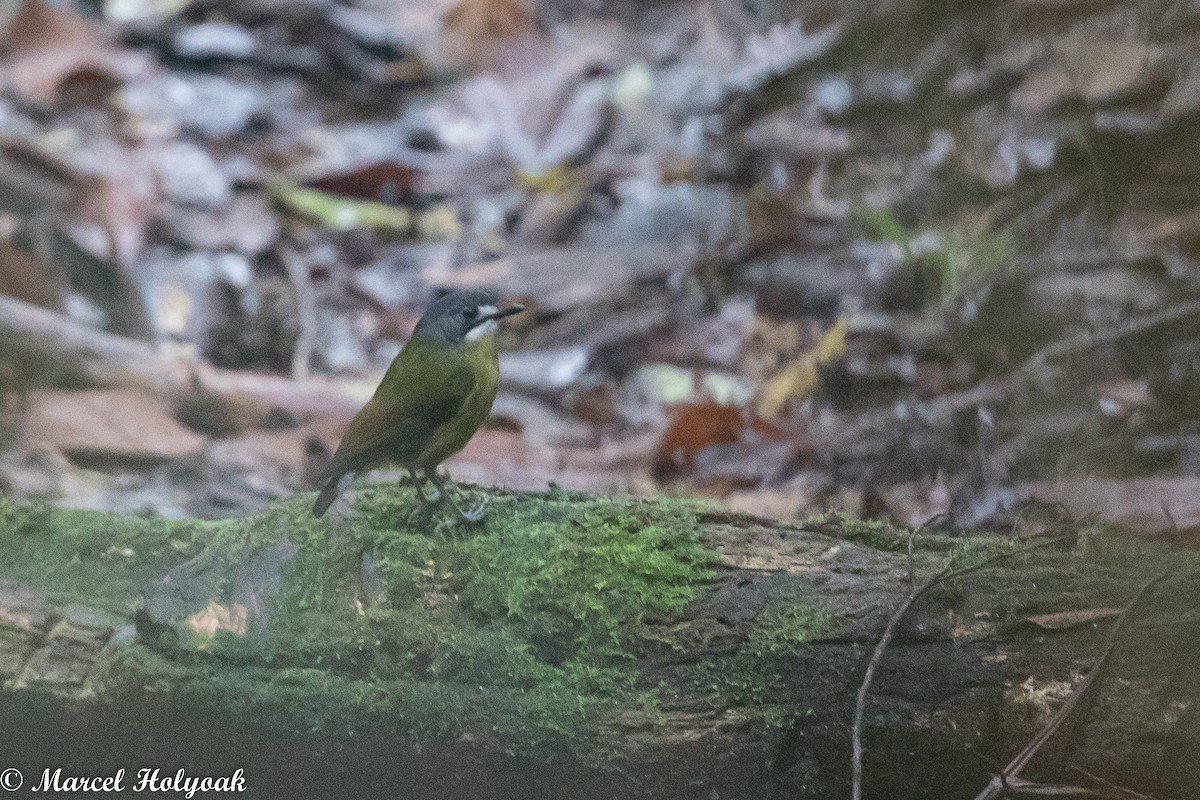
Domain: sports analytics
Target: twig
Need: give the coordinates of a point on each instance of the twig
(1128, 793)
(1019, 787)
(306, 311)
(1013, 770)
(889, 633)
(912, 569)
(912, 572)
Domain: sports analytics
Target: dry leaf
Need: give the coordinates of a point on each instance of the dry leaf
(382, 182)
(122, 212)
(1070, 619)
(27, 278)
(797, 380)
(110, 427)
(47, 45)
(912, 504)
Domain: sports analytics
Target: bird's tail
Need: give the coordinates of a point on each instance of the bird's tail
(333, 487)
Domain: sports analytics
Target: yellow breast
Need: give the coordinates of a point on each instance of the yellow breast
(454, 434)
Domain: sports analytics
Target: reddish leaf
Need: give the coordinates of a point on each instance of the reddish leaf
(383, 182)
(702, 425)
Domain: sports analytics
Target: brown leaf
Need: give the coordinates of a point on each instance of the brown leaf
(720, 469)
(27, 278)
(40, 26)
(106, 427)
(504, 458)
(804, 494)
(773, 503)
(49, 44)
(914, 503)
(1071, 619)
(472, 28)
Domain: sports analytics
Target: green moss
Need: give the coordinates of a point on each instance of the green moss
(652, 705)
(782, 628)
(103, 559)
(752, 683)
(876, 534)
(758, 678)
(23, 519)
(882, 535)
(525, 627)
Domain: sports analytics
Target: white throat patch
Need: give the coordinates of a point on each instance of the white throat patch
(479, 331)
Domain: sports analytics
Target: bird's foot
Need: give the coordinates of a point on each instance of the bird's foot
(418, 485)
(472, 517)
(476, 514)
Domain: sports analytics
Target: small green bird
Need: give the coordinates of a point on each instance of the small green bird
(434, 396)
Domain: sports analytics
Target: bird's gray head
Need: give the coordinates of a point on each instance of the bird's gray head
(462, 316)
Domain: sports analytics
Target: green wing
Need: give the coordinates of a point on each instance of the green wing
(424, 387)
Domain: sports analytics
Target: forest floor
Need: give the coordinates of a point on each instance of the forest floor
(894, 260)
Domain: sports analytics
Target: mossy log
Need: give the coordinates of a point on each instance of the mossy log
(579, 647)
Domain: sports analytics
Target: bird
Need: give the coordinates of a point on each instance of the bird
(437, 392)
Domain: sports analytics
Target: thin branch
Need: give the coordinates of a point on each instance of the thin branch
(889, 633)
(999, 783)
(912, 572)
(941, 409)
(36, 335)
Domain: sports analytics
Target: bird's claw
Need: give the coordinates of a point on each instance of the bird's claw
(443, 494)
(475, 515)
(472, 517)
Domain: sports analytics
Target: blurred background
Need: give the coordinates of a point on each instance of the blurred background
(892, 259)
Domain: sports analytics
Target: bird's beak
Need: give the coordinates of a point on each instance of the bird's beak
(506, 312)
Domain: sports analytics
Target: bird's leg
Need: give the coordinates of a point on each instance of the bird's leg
(436, 497)
(472, 516)
(418, 486)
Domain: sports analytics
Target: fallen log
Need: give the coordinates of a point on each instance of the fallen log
(53, 345)
(57, 349)
(579, 647)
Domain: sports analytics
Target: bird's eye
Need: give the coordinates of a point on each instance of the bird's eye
(470, 313)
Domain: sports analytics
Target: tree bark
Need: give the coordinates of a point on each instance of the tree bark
(748, 692)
